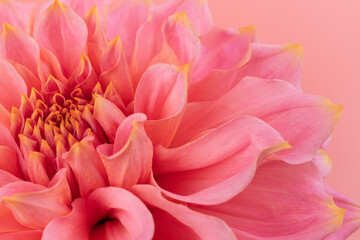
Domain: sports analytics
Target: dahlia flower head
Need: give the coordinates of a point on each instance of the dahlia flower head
(128, 120)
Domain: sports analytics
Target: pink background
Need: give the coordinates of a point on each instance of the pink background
(329, 31)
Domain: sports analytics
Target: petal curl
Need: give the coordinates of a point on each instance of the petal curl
(282, 202)
(170, 218)
(128, 161)
(165, 104)
(237, 147)
(305, 121)
(96, 213)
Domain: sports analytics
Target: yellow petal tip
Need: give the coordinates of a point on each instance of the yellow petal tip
(296, 49)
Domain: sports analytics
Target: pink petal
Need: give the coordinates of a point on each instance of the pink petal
(31, 80)
(6, 177)
(181, 44)
(12, 39)
(86, 164)
(28, 235)
(4, 117)
(183, 173)
(82, 6)
(282, 202)
(305, 121)
(129, 160)
(8, 141)
(64, 33)
(176, 221)
(37, 169)
(96, 41)
(323, 162)
(221, 49)
(198, 13)
(14, 13)
(274, 62)
(125, 20)
(149, 40)
(114, 66)
(84, 76)
(101, 207)
(35, 208)
(75, 225)
(108, 116)
(351, 221)
(163, 107)
(11, 85)
(9, 161)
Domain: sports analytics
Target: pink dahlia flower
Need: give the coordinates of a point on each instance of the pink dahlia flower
(125, 120)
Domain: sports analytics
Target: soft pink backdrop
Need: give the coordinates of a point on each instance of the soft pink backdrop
(329, 31)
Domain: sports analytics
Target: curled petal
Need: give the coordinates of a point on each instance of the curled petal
(198, 13)
(115, 66)
(12, 86)
(323, 162)
(9, 161)
(181, 44)
(108, 116)
(351, 221)
(221, 49)
(35, 208)
(305, 121)
(129, 160)
(64, 33)
(168, 85)
(183, 173)
(179, 219)
(12, 39)
(274, 62)
(112, 213)
(282, 202)
(86, 164)
(96, 41)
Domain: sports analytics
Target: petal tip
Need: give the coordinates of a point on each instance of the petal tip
(296, 49)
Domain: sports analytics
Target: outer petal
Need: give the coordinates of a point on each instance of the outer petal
(164, 106)
(72, 226)
(125, 20)
(28, 235)
(304, 120)
(221, 49)
(9, 161)
(11, 85)
(198, 13)
(352, 216)
(12, 39)
(274, 62)
(35, 209)
(129, 160)
(176, 221)
(86, 164)
(115, 69)
(181, 44)
(108, 115)
(229, 154)
(282, 202)
(64, 33)
(94, 214)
